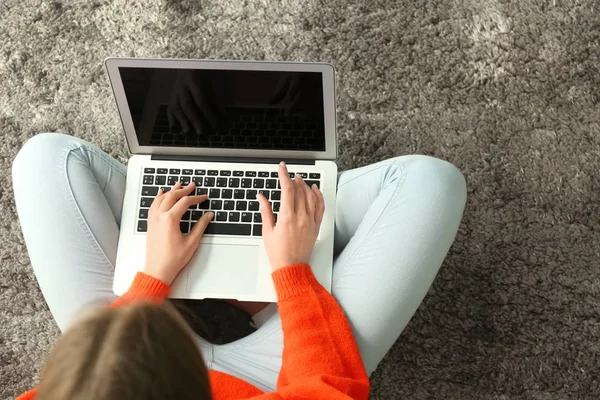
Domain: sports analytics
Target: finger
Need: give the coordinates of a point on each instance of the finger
(198, 229)
(266, 212)
(281, 90)
(293, 104)
(157, 200)
(287, 189)
(221, 111)
(295, 87)
(184, 203)
(299, 195)
(181, 118)
(175, 194)
(190, 110)
(170, 117)
(320, 209)
(172, 104)
(202, 103)
(311, 201)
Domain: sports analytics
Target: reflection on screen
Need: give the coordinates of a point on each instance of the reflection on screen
(226, 109)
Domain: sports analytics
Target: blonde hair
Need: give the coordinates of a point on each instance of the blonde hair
(139, 351)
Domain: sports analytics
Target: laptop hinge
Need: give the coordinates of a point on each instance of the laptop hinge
(246, 160)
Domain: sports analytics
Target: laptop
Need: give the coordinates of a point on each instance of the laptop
(224, 125)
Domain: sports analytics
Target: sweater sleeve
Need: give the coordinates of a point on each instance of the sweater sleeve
(321, 359)
(144, 287)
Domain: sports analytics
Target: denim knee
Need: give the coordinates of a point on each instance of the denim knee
(35, 151)
(434, 175)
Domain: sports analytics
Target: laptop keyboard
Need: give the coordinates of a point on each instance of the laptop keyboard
(252, 128)
(231, 196)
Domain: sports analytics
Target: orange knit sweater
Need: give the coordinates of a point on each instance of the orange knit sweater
(320, 357)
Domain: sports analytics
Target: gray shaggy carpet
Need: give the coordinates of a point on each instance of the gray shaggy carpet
(507, 90)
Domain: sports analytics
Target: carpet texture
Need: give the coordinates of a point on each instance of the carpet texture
(507, 90)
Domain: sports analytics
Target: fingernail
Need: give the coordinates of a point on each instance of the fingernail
(282, 164)
(211, 215)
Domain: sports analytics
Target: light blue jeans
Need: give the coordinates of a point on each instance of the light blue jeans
(395, 221)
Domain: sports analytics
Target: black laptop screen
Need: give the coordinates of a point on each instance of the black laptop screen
(231, 109)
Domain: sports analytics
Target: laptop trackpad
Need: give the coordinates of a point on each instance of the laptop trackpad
(223, 271)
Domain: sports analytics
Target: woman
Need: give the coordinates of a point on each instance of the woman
(395, 221)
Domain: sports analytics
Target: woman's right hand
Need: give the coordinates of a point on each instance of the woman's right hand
(291, 240)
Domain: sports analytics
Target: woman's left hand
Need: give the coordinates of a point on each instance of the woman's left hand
(167, 250)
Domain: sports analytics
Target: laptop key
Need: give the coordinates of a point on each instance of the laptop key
(221, 182)
(241, 205)
(251, 173)
(226, 193)
(213, 172)
(264, 193)
(184, 226)
(214, 193)
(174, 171)
(204, 205)
(201, 191)
(228, 229)
(258, 183)
(246, 183)
(314, 175)
(303, 175)
(274, 174)
(166, 189)
(185, 180)
(143, 213)
(251, 194)
(238, 173)
(234, 216)
(225, 173)
(257, 218)
(276, 195)
(257, 230)
(210, 182)
(310, 183)
(162, 171)
(216, 204)
(187, 172)
(172, 180)
(234, 182)
(200, 172)
(146, 202)
(271, 184)
(246, 217)
(253, 206)
(149, 190)
(263, 174)
(276, 206)
(238, 193)
(143, 226)
(160, 180)
(228, 205)
(196, 215)
(186, 215)
(148, 170)
(221, 216)
(148, 179)
(197, 180)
